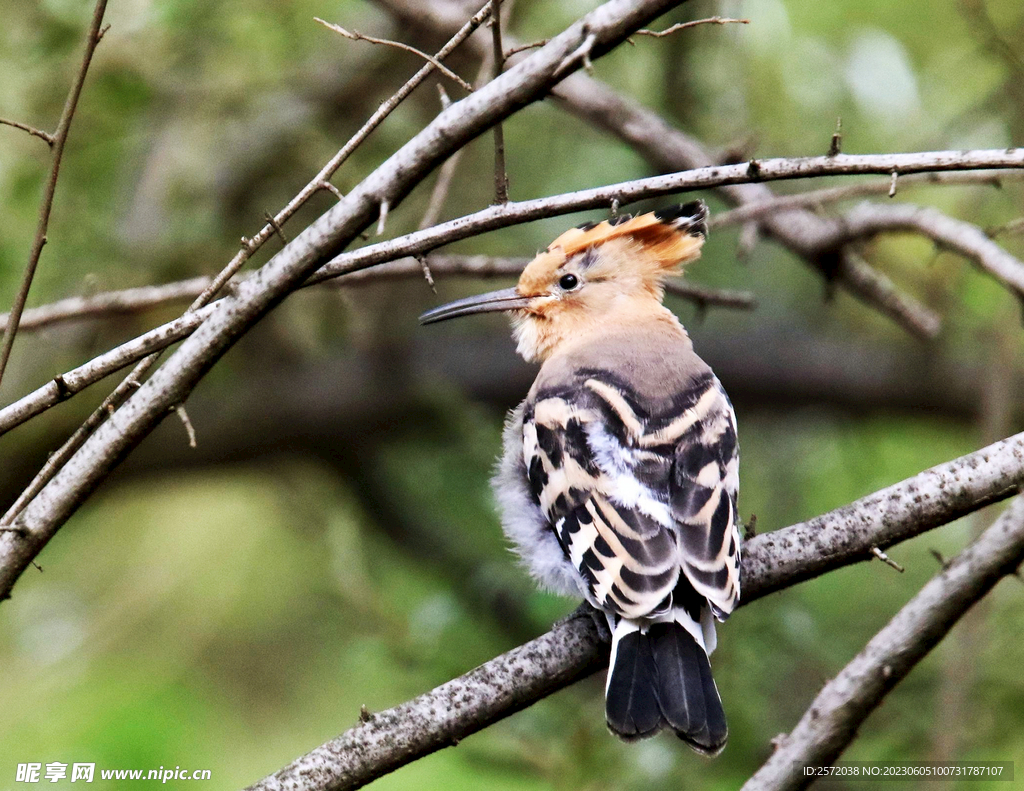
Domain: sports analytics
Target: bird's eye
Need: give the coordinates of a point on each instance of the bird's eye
(568, 282)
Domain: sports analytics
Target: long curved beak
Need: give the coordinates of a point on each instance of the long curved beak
(506, 299)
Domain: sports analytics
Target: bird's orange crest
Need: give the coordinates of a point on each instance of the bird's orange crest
(649, 247)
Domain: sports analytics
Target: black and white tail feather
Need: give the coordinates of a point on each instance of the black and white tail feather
(659, 676)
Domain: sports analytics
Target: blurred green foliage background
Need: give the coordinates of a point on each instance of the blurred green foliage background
(331, 543)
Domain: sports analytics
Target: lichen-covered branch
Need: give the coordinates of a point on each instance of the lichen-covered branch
(832, 720)
(573, 649)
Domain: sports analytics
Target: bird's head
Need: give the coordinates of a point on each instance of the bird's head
(592, 277)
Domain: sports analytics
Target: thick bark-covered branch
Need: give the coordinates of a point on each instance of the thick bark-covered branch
(590, 37)
(573, 649)
(622, 193)
(387, 740)
(832, 720)
(962, 237)
(894, 514)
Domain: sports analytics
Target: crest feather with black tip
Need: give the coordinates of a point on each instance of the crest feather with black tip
(655, 243)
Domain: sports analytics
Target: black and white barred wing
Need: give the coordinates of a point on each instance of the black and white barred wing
(704, 485)
(612, 527)
(635, 500)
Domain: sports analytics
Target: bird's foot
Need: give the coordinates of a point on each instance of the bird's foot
(598, 618)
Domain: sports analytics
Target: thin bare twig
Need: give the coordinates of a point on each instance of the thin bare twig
(836, 144)
(45, 136)
(524, 47)
(326, 185)
(705, 296)
(498, 58)
(711, 20)
(819, 198)
(277, 227)
(190, 431)
(876, 552)
(431, 59)
(108, 303)
(579, 55)
(832, 720)
(446, 173)
(427, 274)
(58, 142)
(439, 193)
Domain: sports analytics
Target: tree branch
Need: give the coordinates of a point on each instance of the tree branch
(919, 321)
(109, 303)
(959, 236)
(813, 199)
(881, 290)
(668, 149)
(572, 649)
(442, 717)
(249, 247)
(322, 179)
(590, 37)
(132, 301)
(626, 192)
(498, 59)
(711, 20)
(832, 720)
(57, 143)
(45, 136)
(431, 59)
(928, 500)
(65, 385)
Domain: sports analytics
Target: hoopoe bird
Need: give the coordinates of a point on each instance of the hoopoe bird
(620, 470)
